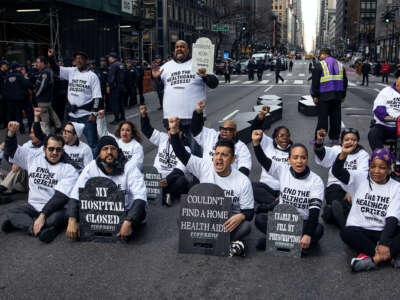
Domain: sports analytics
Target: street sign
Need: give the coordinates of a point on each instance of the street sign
(226, 55)
(220, 28)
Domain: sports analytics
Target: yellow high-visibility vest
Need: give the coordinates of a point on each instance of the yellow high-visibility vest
(327, 76)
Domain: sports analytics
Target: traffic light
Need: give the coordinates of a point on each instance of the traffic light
(244, 27)
(387, 17)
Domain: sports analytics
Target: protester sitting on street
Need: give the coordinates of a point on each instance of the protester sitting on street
(299, 187)
(127, 136)
(372, 225)
(338, 202)
(111, 163)
(84, 93)
(51, 178)
(173, 172)
(17, 179)
(385, 70)
(266, 191)
(208, 137)
(235, 184)
(77, 150)
(386, 111)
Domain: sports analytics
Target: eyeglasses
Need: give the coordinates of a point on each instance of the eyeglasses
(58, 149)
(283, 135)
(226, 128)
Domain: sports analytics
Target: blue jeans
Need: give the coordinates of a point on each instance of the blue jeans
(90, 131)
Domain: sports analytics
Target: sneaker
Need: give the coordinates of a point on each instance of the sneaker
(237, 249)
(261, 244)
(47, 235)
(362, 263)
(338, 213)
(7, 226)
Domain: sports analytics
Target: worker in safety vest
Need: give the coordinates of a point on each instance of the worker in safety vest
(328, 89)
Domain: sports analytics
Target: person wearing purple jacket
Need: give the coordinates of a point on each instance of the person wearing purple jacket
(328, 89)
(386, 111)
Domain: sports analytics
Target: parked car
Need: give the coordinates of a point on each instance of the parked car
(243, 66)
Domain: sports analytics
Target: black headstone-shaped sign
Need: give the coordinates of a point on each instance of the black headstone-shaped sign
(307, 107)
(101, 210)
(203, 212)
(284, 231)
(152, 180)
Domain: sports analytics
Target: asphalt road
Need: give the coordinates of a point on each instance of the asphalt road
(150, 267)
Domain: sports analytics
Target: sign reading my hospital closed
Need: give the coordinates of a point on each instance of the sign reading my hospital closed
(101, 210)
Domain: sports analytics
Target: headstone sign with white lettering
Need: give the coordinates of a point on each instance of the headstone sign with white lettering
(101, 210)
(284, 231)
(203, 212)
(152, 180)
(203, 55)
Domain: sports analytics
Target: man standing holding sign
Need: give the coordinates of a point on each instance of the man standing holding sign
(235, 184)
(183, 88)
(111, 163)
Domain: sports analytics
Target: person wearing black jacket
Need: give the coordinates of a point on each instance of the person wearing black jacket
(44, 86)
(102, 72)
(365, 69)
(260, 69)
(372, 227)
(278, 69)
(251, 66)
(140, 72)
(51, 178)
(235, 184)
(112, 164)
(15, 89)
(115, 87)
(299, 187)
(60, 98)
(157, 84)
(3, 102)
(131, 78)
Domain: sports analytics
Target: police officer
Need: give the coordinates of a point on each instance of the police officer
(131, 78)
(260, 69)
(14, 91)
(158, 85)
(102, 73)
(115, 87)
(328, 89)
(3, 102)
(140, 71)
(250, 68)
(44, 94)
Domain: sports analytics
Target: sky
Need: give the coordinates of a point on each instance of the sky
(309, 9)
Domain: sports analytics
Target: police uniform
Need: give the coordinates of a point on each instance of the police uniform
(116, 84)
(329, 84)
(131, 78)
(14, 92)
(140, 71)
(3, 103)
(102, 73)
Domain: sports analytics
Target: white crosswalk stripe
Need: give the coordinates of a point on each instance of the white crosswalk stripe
(381, 84)
(351, 84)
(234, 81)
(302, 74)
(298, 82)
(290, 74)
(248, 82)
(264, 81)
(268, 74)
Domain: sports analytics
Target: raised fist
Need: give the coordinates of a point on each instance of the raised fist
(264, 111)
(13, 127)
(200, 106)
(173, 124)
(50, 52)
(256, 136)
(321, 134)
(37, 111)
(143, 110)
(100, 114)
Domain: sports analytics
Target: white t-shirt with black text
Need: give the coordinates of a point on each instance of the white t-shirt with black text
(165, 160)
(131, 182)
(44, 177)
(82, 88)
(81, 154)
(370, 206)
(236, 186)
(207, 139)
(389, 98)
(354, 162)
(278, 156)
(297, 192)
(182, 89)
